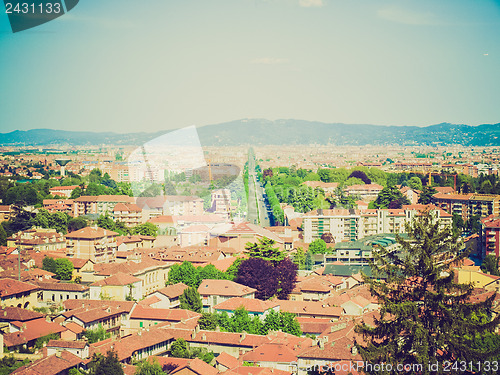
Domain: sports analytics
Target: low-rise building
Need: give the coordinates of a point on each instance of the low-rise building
(15, 293)
(97, 244)
(213, 292)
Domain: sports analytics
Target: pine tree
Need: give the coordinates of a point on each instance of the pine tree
(190, 300)
(425, 316)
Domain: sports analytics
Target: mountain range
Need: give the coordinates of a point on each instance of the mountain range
(278, 132)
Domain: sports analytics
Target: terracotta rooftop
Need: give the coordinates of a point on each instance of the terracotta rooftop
(196, 366)
(173, 291)
(50, 365)
(150, 313)
(67, 344)
(19, 314)
(89, 233)
(225, 288)
(270, 353)
(10, 287)
(66, 287)
(118, 279)
(31, 330)
(250, 304)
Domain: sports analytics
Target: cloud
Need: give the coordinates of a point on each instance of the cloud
(311, 3)
(270, 61)
(407, 16)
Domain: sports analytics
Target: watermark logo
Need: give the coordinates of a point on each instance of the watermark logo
(26, 14)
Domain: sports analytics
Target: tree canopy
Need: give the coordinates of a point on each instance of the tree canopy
(425, 316)
(190, 300)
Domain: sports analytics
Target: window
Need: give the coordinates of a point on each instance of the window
(140, 324)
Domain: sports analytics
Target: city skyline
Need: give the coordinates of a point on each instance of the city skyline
(110, 66)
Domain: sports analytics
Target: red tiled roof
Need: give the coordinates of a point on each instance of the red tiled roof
(150, 313)
(119, 278)
(10, 287)
(271, 353)
(19, 314)
(173, 291)
(250, 304)
(31, 330)
(227, 360)
(67, 344)
(50, 365)
(66, 287)
(91, 233)
(197, 366)
(225, 288)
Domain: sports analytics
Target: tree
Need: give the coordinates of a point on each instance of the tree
(286, 275)
(179, 349)
(49, 264)
(185, 273)
(361, 175)
(264, 250)
(300, 258)
(64, 269)
(389, 195)
(318, 247)
(146, 229)
(76, 223)
(149, 368)
(232, 271)
(328, 237)
(259, 274)
(490, 265)
(105, 222)
(3, 236)
(309, 263)
(107, 365)
(415, 183)
(208, 322)
(426, 194)
(190, 300)
(425, 317)
(76, 193)
(97, 334)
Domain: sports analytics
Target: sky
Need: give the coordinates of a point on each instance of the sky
(154, 65)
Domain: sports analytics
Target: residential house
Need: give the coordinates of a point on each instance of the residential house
(56, 364)
(213, 292)
(78, 348)
(52, 293)
(38, 239)
(167, 297)
(128, 213)
(255, 307)
(17, 293)
(118, 287)
(26, 333)
(143, 317)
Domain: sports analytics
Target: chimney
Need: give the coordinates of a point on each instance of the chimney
(243, 336)
(58, 354)
(193, 335)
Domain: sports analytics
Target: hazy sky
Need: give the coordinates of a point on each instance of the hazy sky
(148, 65)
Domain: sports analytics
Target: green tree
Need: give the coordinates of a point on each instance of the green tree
(426, 194)
(105, 222)
(185, 273)
(415, 183)
(390, 197)
(49, 264)
(76, 193)
(107, 365)
(490, 265)
(146, 229)
(149, 368)
(265, 249)
(64, 269)
(3, 236)
(180, 349)
(318, 247)
(425, 317)
(208, 321)
(59, 222)
(190, 300)
(232, 271)
(76, 223)
(300, 258)
(97, 334)
(309, 263)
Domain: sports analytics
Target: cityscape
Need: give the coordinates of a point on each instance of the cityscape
(264, 187)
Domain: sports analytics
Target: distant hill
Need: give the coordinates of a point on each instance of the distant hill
(279, 132)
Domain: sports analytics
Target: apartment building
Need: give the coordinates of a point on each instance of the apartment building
(97, 244)
(467, 205)
(130, 214)
(169, 205)
(37, 239)
(351, 225)
(368, 192)
(98, 205)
